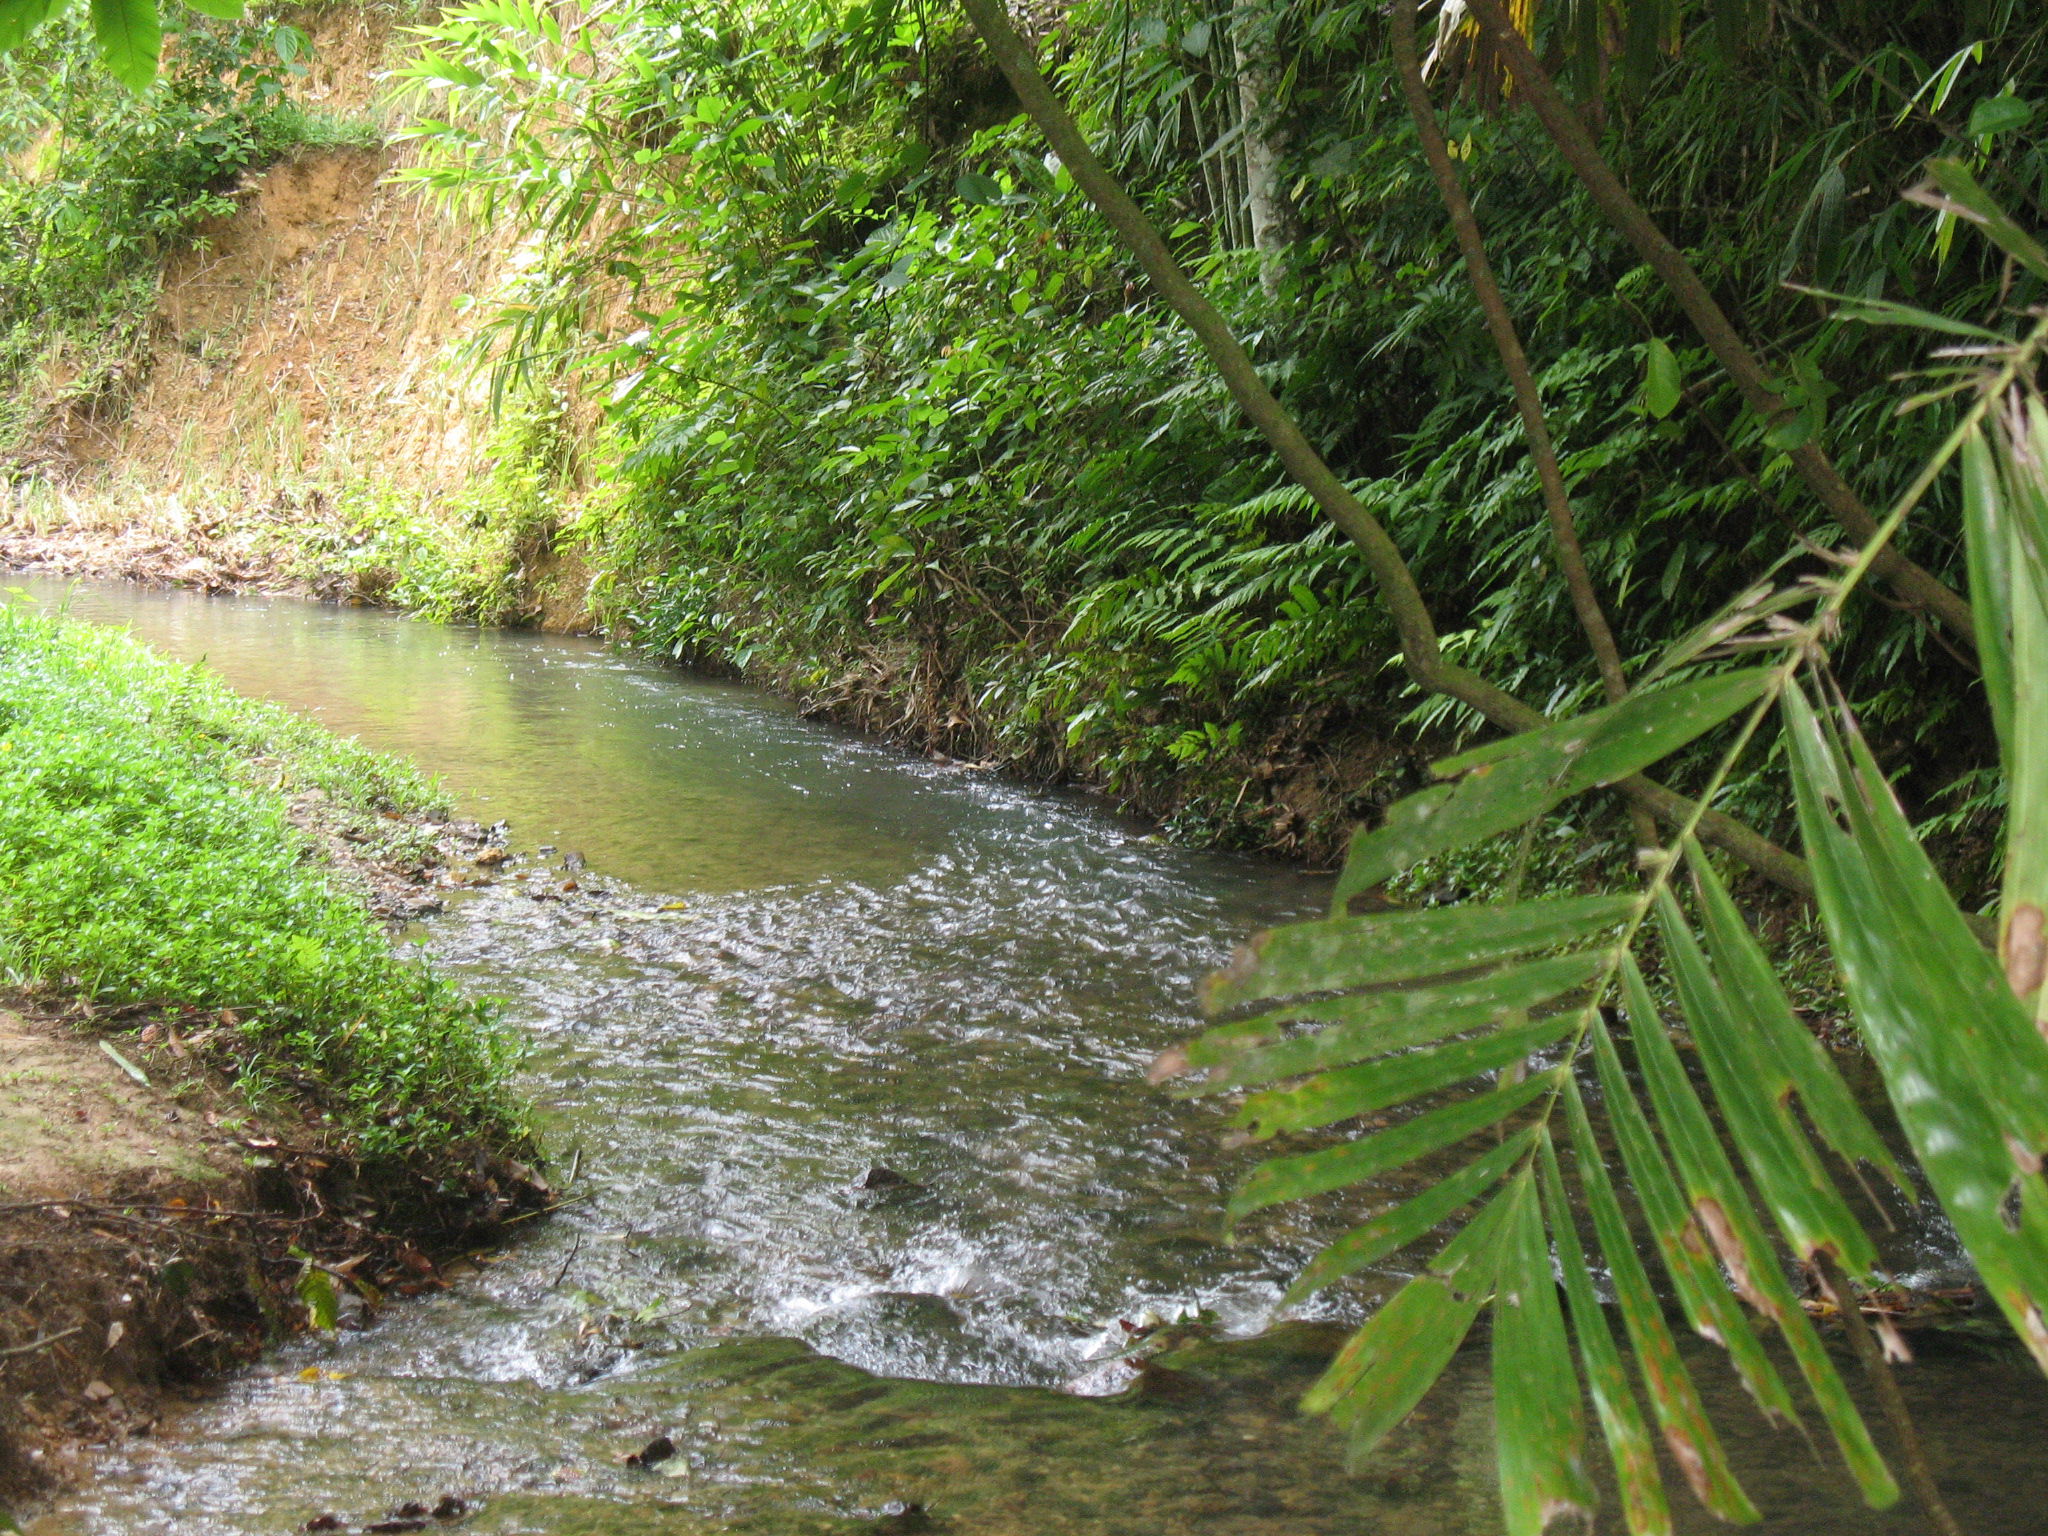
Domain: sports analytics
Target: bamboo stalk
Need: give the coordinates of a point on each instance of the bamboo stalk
(1507, 341)
(1421, 648)
(1916, 584)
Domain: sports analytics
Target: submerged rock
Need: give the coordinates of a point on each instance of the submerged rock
(881, 1177)
(654, 1453)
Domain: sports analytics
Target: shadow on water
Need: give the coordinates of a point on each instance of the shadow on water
(875, 962)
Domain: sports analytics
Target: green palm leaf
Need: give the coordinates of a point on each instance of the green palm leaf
(1496, 1019)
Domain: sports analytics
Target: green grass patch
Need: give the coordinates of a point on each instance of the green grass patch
(146, 856)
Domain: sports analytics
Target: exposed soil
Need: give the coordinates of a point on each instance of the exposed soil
(153, 1230)
(301, 369)
(208, 557)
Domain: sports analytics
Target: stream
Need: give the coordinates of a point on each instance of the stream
(809, 955)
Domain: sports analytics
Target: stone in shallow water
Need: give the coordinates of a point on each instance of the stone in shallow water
(882, 1177)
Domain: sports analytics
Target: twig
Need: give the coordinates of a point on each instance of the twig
(43, 1343)
(563, 1273)
(544, 1210)
(107, 1208)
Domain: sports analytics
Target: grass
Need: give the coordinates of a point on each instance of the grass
(146, 858)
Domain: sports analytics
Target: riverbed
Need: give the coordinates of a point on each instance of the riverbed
(796, 963)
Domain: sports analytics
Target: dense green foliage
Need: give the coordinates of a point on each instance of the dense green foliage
(145, 857)
(102, 185)
(896, 404)
(894, 420)
(1342, 1019)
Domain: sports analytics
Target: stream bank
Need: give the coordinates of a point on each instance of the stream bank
(197, 1153)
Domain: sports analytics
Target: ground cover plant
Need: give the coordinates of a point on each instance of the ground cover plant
(146, 859)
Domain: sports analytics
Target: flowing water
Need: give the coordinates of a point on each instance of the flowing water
(808, 956)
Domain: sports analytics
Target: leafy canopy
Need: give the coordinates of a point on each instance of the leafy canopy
(130, 33)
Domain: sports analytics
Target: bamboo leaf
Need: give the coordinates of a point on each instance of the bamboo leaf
(1725, 1211)
(1707, 1304)
(1381, 1373)
(1539, 1428)
(2019, 518)
(1386, 1367)
(1379, 1023)
(1395, 1228)
(1744, 618)
(1315, 1173)
(1962, 196)
(1964, 1067)
(1360, 1090)
(1990, 579)
(1401, 946)
(1803, 1200)
(1507, 783)
(1889, 312)
(1634, 1454)
(1786, 1056)
(1681, 1417)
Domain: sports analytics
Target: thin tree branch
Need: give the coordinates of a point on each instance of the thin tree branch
(1500, 323)
(1421, 649)
(1575, 144)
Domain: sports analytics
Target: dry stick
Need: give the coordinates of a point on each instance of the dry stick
(1564, 532)
(1569, 134)
(1421, 652)
(1868, 1351)
(43, 1343)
